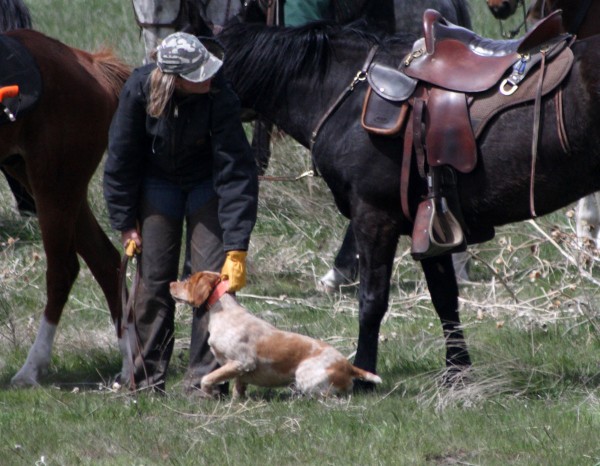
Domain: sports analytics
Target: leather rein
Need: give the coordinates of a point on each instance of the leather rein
(360, 76)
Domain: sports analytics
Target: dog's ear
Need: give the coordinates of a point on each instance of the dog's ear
(201, 285)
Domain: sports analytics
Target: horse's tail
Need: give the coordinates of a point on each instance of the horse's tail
(113, 71)
(361, 374)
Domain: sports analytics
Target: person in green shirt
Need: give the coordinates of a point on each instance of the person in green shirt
(300, 12)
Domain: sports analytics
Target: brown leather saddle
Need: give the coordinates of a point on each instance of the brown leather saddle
(17, 67)
(448, 88)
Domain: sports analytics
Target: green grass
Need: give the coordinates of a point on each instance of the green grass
(531, 318)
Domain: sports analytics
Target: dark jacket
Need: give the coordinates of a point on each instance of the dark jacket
(201, 137)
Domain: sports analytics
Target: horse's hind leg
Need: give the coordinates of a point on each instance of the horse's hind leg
(100, 256)
(103, 260)
(58, 234)
(441, 281)
(345, 266)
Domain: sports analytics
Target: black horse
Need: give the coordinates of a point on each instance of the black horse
(393, 17)
(14, 14)
(363, 171)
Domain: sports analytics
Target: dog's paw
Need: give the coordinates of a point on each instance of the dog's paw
(208, 393)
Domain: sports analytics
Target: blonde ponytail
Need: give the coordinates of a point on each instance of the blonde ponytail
(162, 86)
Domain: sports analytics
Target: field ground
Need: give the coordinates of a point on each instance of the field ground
(530, 313)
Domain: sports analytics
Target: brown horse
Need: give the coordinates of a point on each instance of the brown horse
(502, 9)
(61, 142)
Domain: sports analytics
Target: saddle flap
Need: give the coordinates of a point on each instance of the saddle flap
(449, 136)
(390, 83)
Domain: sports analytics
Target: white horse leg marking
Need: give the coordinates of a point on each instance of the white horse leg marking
(38, 358)
(333, 279)
(587, 219)
(126, 354)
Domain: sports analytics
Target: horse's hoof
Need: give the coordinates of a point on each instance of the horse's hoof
(360, 386)
(24, 380)
(456, 376)
(332, 281)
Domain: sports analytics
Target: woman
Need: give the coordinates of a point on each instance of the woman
(177, 151)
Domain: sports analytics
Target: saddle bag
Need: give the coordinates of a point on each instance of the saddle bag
(385, 106)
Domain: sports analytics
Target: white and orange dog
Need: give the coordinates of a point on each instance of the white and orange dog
(252, 351)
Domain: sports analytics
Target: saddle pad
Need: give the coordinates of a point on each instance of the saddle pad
(17, 66)
(488, 104)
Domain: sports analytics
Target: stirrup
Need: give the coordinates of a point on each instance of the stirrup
(436, 230)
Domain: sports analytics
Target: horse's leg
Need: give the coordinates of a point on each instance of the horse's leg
(25, 203)
(56, 217)
(461, 262)
(15, 171)
(100, 255)
(441, 280)
(345, 265)
(104, 261)
(377, 239)
(587, 219)
(152, 35)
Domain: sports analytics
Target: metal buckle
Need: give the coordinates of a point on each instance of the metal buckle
(504, 91)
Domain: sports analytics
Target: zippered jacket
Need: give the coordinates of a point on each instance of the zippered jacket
(201, 136)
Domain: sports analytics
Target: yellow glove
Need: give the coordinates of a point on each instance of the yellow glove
(132, 248)
(234, 270)
(132, 242)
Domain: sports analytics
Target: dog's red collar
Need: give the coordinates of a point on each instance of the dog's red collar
(219, 290)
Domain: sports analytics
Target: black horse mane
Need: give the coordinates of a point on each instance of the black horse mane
(255, 50)
(14, 14)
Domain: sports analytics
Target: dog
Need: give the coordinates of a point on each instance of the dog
(252, 351)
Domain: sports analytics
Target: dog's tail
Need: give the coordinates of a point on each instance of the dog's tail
(361, 374)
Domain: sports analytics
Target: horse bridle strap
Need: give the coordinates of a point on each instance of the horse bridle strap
(358, 78)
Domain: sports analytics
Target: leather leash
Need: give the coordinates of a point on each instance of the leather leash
(127, 302)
